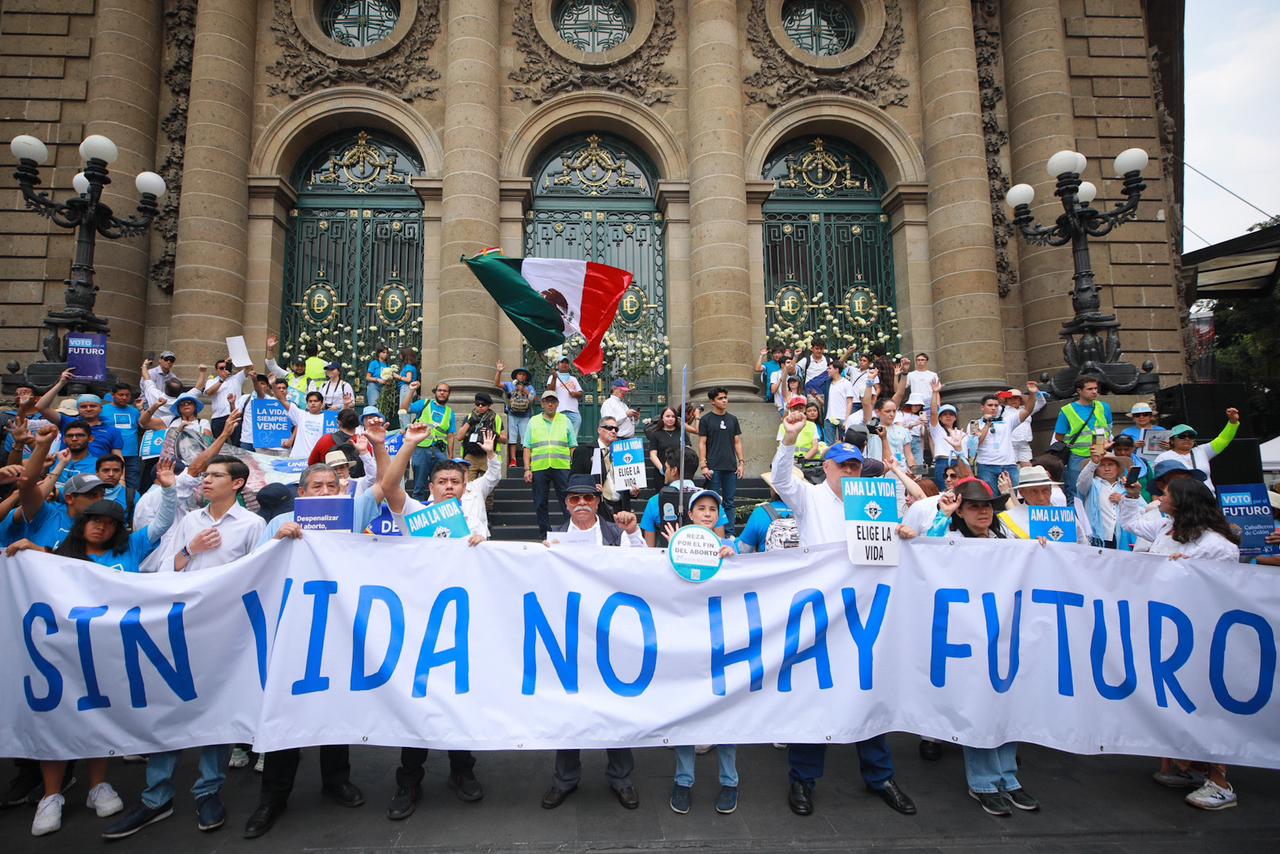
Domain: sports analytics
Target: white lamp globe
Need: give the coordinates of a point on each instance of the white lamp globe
(98, 147)
(1064, 161)
(1020, 194)
(1082, 163)
(149, 182)
(80, 183)
(26, 147)
(1087, 192)
(1130, 160)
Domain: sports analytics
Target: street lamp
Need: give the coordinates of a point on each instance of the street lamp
(1092, 338)
(86, 212)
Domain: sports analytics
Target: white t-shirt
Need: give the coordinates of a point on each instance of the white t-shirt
(941, 447)
(914, 423)
(997, 449)
(616, 408)
(335, 393)
(780, 394)
(564, 384)
(814, 367)
(310, 430)
(838, 400)
(921, 383)
(1197, 459)
(224, 398)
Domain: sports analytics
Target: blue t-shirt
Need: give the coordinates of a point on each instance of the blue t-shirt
(407, 371)
(88, 465)
(757, 527)
(119, 495)
(140, 545)
(770, 368)
(104, 437)
(651, 521)
(375, 368)
(1063, 427)
(125, 419)
(49, 527)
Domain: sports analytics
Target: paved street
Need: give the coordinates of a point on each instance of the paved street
(1104, 804)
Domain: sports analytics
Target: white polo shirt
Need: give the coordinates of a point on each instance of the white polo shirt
(818, 510)
(239, 528)
(224, 398)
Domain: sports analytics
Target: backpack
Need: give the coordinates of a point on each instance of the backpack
(520, 400)
(480, 423)
(669, 509)
(783, 532)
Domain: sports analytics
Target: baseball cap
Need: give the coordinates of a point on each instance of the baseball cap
(79, 484)
(1005, 395)
(1140, 409)
(619, 383)
(705, 493)
(550, 395)
(333, 366)
(946, 407)
(842, 452)
(109, 509)
(1183, 430)
(168, 354)
(563, 359)
(794, 401)
(370, 412)
(336, 458)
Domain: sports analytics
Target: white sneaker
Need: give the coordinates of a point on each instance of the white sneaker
(1211, 796)
(103, 800)
(48, 815)
(257, 766)
(703, 748)
(239, 758)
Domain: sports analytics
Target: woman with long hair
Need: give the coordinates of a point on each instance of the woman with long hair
(664, 433)
(1189, 525)
(945, 438)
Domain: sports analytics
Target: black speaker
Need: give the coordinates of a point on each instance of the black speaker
(1204, 407)
(1241, 462)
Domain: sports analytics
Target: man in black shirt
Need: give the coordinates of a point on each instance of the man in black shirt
(720, 450)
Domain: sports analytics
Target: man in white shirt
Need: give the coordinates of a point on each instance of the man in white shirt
(212, 536)
(819, 512)
(568, 392)
(920, 381)
(308, 427)
(1013, 400)
(778, 382)
(995, 437)
(615, 407)
(815, 364)
(223, 388)
(840, 403)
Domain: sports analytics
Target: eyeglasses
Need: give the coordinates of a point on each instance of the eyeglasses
(579, 499)
(215, 474)
(610, 427)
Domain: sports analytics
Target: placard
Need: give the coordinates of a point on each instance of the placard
(330, 421)
(871, 520)
(628, 465)
(395, 441)
(152, 444)
(1055, 524)
(328, 513)
(87, 355)
(384, 524)
(1248, 511)
(439, 520)
(271, 424)
(238, 352)
(288, 465)
(1156, 441)
(694, 553)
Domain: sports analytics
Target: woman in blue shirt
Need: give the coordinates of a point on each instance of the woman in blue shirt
(373, 375)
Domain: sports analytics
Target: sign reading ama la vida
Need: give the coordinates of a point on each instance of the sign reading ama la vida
(871, 519)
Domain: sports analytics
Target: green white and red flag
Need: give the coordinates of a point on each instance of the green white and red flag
(550, 299)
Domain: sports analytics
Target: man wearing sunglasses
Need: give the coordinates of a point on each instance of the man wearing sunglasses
(596, 460)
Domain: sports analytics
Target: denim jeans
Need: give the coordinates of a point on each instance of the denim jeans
(728, 755)
(575, 418)
(160, 767)
(726, 483)
(424, 459)
(1075, 465)
(874, 760)
(917, 449)
(990, 474)
(940, 466)
(992, 769)
(832, 433)
(132, 473)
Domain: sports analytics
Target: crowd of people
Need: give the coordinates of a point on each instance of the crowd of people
(144, 483)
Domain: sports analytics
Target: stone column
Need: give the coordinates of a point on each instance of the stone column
(468, 317)
(212, 257)
(123, 96)
(270, 201)
(515, 194)
(962, 258)
(1038, 95)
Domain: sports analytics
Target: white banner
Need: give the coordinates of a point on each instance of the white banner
(515, 646)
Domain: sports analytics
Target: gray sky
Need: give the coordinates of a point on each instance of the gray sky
(1232, 124)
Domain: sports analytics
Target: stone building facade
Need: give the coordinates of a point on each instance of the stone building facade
(761, 165)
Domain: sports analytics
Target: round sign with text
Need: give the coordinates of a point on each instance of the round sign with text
(694, 552)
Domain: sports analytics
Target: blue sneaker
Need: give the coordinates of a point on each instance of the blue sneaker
(138, 818)
(210, 813)
(728, 800)
(680, 799)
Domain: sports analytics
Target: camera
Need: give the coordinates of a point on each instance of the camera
(874, 425)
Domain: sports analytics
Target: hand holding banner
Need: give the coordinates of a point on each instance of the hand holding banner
(439, 520)
(628, 465)
(1055, 524)
(271, 424)
(335, 513)
(87, 354)
(238, 352)
(871, 520)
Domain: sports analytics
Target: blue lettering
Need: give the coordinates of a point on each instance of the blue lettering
(1060, 599)
(311, 680)
(176, 675)
(370, 593)
(458, 654)
(1001, 685)
(864, 636)
(649, 662)
(93, 697)
(284, 600)
(258, 624)
(1266, 662)
(564, 660)
(752, 653)
(1163, 670)
(792, 654)
(943, 599)
(50, 701)
(1098, 653)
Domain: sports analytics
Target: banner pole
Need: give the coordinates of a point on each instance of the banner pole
(684, 403)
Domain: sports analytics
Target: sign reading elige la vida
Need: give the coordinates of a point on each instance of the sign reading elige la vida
(871, 520)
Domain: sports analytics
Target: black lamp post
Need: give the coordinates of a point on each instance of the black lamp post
(86, 212)
(1092, 338)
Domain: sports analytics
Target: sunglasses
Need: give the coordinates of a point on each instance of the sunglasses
(579, 499)
(608, 427)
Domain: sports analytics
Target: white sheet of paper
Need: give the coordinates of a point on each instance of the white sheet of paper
(238, 351)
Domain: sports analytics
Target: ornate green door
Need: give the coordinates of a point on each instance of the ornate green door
(594, 201)
(353, 266)
(828, 256)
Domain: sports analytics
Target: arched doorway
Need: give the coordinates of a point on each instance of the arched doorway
(828, 255)
(353, 260)
(594, 200)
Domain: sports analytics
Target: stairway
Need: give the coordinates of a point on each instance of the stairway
(512, 516)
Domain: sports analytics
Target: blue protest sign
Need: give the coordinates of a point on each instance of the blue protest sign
(871, 520)
(395, 441)
(151, 445)
(324, 514)
(694, 552)
(330, 421)
(628, 464)
(271, 424)
(288, 465)
(1248, 511)
(384, 524)
(1055, 524)
(439, 520)
(87, 354)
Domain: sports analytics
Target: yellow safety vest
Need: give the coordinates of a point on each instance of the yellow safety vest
(439, 430)
(1084, 437)
(548, 442)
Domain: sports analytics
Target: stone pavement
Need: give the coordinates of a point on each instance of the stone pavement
(1104, 804)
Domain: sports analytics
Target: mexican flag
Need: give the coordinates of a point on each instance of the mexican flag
(550, 299)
